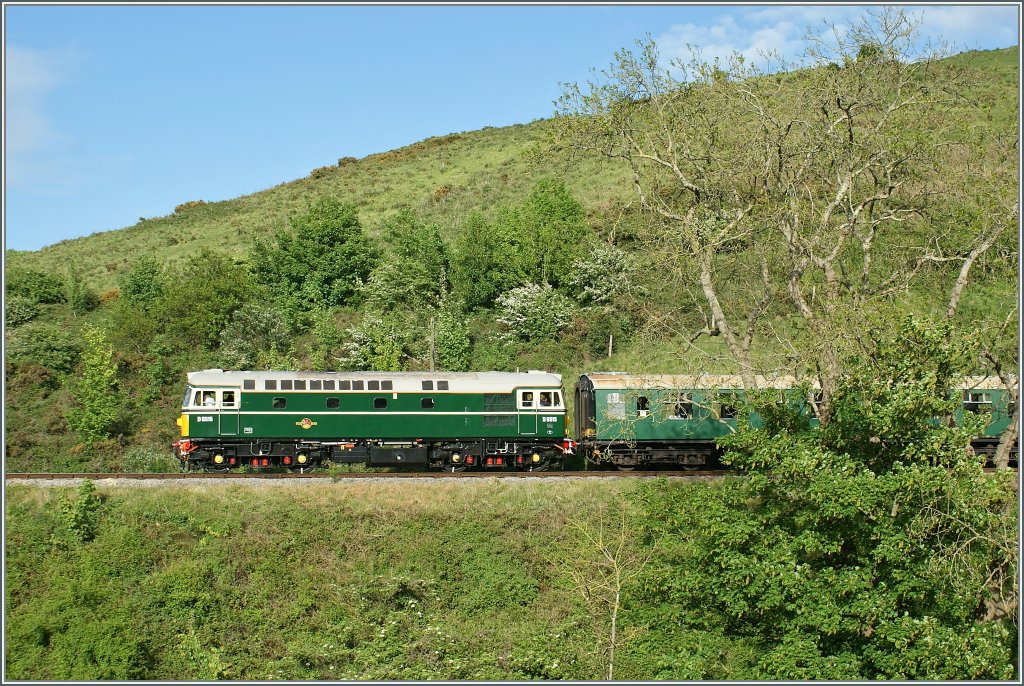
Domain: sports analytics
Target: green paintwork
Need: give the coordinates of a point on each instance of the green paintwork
(454, 415)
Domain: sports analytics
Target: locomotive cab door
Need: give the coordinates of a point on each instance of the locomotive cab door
(527, 403)
(229, 405)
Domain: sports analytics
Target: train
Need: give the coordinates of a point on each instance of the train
(457, 421)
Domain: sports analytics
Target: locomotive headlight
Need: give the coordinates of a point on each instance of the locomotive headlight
(219, 459)
(302, 459)
(456, 457)
(536, 457)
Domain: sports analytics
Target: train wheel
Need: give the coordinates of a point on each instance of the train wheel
(625, 467)
(456, 468)
(302, 469)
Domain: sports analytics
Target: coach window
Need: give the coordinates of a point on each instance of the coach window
(270, 385)
(286, 385)
(315, 385)
(642, 406)
(428, 385)
(527, 398)
(387, 386)
(373, 385)
(229, 399)
(345, 385)
(357, 385)
(300, 385)
(329, 385)
(977, 402)
(728, 409)
(249, 385)
(280, 403)
(442, 385)
(380, 403)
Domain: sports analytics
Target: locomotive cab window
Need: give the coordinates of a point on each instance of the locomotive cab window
(526, 399)
(209, 399)
(228, 399)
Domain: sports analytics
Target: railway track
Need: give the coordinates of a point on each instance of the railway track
(359, 475)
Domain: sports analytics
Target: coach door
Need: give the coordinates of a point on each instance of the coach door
(229, 402)
(528, 401)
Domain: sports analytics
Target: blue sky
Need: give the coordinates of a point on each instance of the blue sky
(118, 112)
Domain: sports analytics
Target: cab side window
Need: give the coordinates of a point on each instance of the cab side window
(228, 399)
(209, 398)
(527, 398)
(545, 399)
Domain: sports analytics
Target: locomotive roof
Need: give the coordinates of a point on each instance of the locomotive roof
(622, 380)
(407, 382)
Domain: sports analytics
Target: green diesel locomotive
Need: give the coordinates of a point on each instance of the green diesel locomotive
(439, 420)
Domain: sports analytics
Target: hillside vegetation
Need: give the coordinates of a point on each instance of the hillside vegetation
(517, 254)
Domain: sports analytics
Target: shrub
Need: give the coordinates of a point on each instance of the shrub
(35, 285)
(602, 276)
(452, 339)
(534, 312)
(46, 344)
(19, 310)
(143, 284)
(253, 329)
(188, 205)
(81, 516)
(377, 344)
(97, 404)
(80, 297)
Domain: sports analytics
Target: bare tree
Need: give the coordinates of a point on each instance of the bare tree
(609, 559)
(831, 170)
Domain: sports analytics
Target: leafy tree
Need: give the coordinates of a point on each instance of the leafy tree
(872, 548)
(452, 338)
(254, 328)
(199, 300)
(320, 265)
(97, 405)
(377, 344)
(534, 312)
(602, 276)
(414, 273)
(143, 284)
(534, 242)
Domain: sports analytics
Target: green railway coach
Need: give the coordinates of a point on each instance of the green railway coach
(631, 420)
(490, 420)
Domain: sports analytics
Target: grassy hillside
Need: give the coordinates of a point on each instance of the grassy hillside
(495, 173)
(385, 581)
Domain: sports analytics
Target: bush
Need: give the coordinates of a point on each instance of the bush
(376, 344)
(143, 284)
(253, 329)
(534, 312)
(35, 285)
(19, 310)
(80, 297)
(602, 276)
(98, 405)
(45, 344)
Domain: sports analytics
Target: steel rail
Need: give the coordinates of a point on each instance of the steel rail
(355, 475)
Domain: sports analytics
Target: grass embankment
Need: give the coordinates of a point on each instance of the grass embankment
(446, 580)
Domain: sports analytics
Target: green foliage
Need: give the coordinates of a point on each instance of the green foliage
(19, 310)
(143, 284)
(536, 241)
(46, 344)
(80, 298)
(533, 312)
(81, 516)
(97, 403)
(602, 276)
(254, 328)
(413, 273)
(377, 343)
(322, 264)
(38, 286)
(199, 300)
(327, 341)
(874, 548)
(452, 338)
